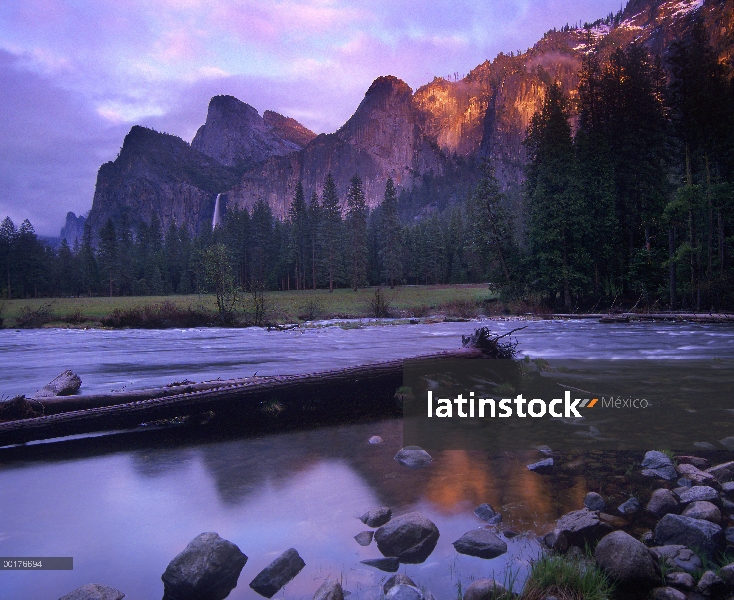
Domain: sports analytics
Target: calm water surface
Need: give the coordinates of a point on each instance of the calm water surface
(124, 511)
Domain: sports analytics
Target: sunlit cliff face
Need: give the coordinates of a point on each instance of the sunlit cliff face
(454, 113)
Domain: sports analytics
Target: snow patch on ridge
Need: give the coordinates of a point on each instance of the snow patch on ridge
(683, 7)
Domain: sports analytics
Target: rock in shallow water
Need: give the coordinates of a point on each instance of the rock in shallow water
(662, 502)
(667, 593)
(397, 579)
(375, 439)
(376, 516)
(705, 536)
(364, 538)
(389, 564)
(94, 591)
(485, 589)
(329, 590)
(413, 456)
(697, 476)
(698, 493)
(722, 472)
(711, 584)
(404, 592)
(208, 568)
(684, 581)
(577, 528)
(278, 573)
(411, 538)
(703, 510)
(480, 543)
(542, 466)
(630, 507)
(487, 513)
(594, 501)
(658, 464)
(627, 561)
(678, 556)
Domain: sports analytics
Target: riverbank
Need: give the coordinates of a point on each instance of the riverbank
(311, 308)
(457, 301)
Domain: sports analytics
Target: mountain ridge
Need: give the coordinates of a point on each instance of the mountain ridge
(394, 132)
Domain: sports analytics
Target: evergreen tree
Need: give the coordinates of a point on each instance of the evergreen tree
(390, 235)
(88, 261)
(491, 227)
(356, 222)
(7, 250)
(107, 256)
(559, 223)
(596, 180)
(330, 229)
(314, 224)
(67, 270)
(261, 240)
(298, 236)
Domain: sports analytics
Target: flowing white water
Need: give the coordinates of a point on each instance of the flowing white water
(217, 218)
(137, 358)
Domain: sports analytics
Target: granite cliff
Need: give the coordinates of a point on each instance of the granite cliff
(394, 132)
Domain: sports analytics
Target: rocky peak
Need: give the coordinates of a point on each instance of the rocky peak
(236, 135)
(73, 229)
(288, 129)
(387, 96)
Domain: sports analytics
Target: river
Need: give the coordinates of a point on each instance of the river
(123, 510)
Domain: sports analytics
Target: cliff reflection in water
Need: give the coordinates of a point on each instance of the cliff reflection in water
(139, 503)
(456, 482)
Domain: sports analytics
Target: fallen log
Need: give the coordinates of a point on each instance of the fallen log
(352, 392)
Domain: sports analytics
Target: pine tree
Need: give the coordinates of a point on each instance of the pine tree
(7, 246)
(330, 229)
(356, 222)
(88, 261)
(298, 236)
(491, 227)
(314, 223)
(559, 225)
(390, 235)
(107, 255)
(261, 239)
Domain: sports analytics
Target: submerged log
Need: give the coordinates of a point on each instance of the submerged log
(352, 391)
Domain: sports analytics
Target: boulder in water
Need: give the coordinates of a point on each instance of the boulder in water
(413, 456)
(208, 567)
(329, 590)
(278, 573)
(94, 591)
(410, 538)
(376, 516)
(480, 543)
(397, 579)
(389, 563)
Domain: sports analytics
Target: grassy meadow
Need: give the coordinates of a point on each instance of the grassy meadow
(458, 301)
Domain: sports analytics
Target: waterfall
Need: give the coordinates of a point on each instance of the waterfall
(217, 218)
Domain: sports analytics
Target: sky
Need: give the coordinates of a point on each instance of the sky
(76, 75)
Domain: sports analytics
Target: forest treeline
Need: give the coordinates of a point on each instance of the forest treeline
(629, 197)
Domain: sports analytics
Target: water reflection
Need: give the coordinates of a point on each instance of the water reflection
(124, 514)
